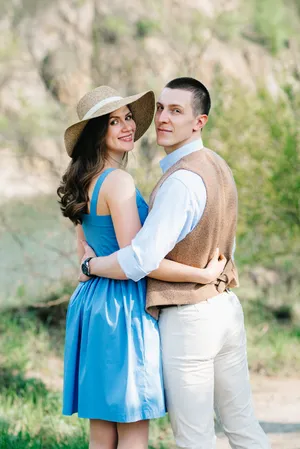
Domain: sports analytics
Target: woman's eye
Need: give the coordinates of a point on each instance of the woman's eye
(114, 122)
(129, 117)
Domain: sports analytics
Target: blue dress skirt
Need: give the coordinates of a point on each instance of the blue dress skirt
(112, 362)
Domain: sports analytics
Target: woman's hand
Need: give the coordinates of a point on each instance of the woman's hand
(88, 252)
(215, 266)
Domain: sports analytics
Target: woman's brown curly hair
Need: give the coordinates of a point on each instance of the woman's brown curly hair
(88, 160)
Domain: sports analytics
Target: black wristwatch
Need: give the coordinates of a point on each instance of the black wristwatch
(85, 266)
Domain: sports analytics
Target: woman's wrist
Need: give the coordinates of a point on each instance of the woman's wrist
(203, 275)
(92, 267)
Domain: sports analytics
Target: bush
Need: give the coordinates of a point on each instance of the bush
(145, 27)
(271, 23)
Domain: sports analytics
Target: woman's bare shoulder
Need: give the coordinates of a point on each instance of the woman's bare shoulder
(119, 182)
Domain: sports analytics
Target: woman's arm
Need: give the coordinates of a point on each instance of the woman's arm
(80, 238)
(176, 272)
(168, 270)
(120, 195)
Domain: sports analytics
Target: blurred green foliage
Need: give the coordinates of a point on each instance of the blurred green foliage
(260, 138)
(113, 28)
(146, 27)
(271, 23)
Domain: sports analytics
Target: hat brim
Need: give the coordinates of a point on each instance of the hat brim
(141, 105)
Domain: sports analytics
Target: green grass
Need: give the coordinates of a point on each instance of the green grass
(30, 389)
(30, 410)
(273, 340)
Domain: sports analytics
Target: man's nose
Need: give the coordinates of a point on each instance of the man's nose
(164, 116)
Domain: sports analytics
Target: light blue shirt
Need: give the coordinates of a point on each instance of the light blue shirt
(177, 209)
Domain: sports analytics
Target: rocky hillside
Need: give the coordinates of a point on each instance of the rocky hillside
(53, 52)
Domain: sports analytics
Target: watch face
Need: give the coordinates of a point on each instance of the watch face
(84, 269)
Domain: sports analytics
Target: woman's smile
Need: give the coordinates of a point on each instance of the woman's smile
(127, 138)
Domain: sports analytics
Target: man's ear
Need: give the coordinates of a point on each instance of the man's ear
(200, 122)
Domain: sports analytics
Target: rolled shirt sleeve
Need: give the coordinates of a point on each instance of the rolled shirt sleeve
(177, 208)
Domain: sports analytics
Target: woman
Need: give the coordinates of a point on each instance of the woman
(113, 370)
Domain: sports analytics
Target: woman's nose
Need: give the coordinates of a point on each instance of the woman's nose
(128, 125)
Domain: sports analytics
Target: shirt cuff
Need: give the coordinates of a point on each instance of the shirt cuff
(129, 264)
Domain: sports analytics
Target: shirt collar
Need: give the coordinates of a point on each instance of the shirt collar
(178, 154)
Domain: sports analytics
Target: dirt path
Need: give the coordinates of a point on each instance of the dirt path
(277, 406)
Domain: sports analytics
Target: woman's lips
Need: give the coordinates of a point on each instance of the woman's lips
(128, 138)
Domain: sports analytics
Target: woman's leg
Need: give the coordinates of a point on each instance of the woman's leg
(103, 434)
(133, 435)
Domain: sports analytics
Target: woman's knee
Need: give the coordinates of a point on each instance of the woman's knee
(133, 435)
(103, 434)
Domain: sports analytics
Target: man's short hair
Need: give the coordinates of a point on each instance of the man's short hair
(201, 99)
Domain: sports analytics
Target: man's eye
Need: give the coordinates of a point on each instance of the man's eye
(177, 111)
(158, 108)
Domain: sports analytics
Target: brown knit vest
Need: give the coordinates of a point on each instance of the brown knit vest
(216, 229)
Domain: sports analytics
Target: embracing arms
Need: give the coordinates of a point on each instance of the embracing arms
(120, 195)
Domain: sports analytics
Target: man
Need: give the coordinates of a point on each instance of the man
(193, 210)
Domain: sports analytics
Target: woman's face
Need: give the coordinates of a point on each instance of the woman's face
(120, 131)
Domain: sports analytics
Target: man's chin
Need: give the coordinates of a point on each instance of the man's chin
(163, 141)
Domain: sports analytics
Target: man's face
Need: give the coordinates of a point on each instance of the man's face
(175, 122)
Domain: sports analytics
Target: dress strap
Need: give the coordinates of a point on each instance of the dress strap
(95, 194)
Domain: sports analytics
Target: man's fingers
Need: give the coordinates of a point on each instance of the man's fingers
(216, 255)
(223, 259)
(86, 247)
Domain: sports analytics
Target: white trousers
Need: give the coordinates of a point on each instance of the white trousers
(205, 368)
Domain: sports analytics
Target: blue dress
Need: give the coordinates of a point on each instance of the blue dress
(112, 362)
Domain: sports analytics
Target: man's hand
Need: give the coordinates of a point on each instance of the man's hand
(88, 252)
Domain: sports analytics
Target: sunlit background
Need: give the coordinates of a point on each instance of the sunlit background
(247, 52)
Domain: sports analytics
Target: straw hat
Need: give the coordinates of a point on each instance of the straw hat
(104, 100)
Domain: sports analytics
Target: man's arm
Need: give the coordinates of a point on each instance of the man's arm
(174, 214)
(107, 267)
